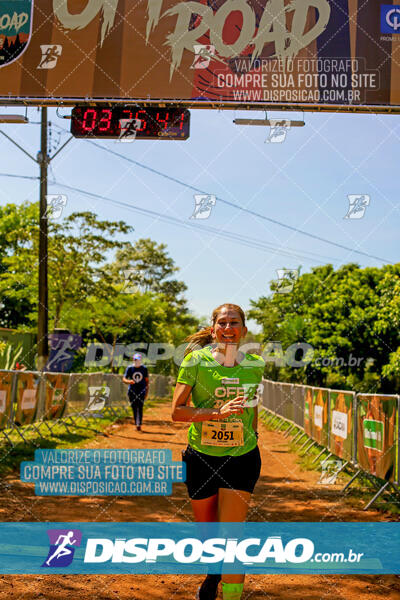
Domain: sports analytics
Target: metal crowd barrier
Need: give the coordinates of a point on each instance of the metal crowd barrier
(361, 429)
(28, 398)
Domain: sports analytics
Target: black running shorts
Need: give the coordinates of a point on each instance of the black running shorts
(205, 474)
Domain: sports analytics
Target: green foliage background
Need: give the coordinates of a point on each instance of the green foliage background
(343, 312)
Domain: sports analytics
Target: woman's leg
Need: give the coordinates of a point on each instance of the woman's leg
(206, 510)
(140, 402)
(233, 506)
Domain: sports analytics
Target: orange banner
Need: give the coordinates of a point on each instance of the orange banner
(6, 381)
(56, 395)
(27, 397)
(376, 435)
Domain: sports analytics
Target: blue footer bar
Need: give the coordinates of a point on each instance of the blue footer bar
(196, 548)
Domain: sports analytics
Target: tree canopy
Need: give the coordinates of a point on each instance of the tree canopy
(349, 316)
(89, 291)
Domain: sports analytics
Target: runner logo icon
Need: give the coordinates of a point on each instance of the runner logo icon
(390, 18)
(61, 551)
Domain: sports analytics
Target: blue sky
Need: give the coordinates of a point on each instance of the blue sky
(302, 182)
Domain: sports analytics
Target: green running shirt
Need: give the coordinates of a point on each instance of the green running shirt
(212, 386)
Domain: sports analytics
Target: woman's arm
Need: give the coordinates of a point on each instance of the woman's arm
(182, 412)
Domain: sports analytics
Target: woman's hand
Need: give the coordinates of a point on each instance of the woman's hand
(233, 407)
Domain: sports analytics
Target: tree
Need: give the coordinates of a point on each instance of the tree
(17, 231)
(77, 251)
(87, 288)
(346, 315)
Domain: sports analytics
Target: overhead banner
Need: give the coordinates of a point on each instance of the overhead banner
(341, 424)
(331, 53)
(376, 435)
(6, 381)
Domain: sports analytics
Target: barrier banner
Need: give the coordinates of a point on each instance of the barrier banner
(56, 395)
(320, 432)
(298, 394)
(308, 407)
(397, 476)
(6, 381)
(376, 435)
(341, 424)
(78, 392)
(286, 401)
(27, 397)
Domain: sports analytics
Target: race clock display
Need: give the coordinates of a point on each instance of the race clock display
(127, 123)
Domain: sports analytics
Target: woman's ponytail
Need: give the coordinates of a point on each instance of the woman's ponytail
(198, 340)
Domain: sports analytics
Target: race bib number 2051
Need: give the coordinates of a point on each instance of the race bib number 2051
(222, 434)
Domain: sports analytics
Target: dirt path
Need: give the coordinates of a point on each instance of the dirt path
(283, 493)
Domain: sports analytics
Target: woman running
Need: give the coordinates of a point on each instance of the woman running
(222, 459)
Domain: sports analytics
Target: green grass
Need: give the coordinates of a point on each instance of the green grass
(60, 436)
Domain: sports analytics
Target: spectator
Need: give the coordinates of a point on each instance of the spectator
(137, 376)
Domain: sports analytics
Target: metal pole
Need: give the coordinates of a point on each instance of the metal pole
(43, 159)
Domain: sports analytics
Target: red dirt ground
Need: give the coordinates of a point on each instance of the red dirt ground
(283, 493)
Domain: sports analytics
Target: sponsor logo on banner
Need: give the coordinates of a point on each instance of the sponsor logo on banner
(28, 399)
(390, 18)
(3, 401)
(318, 412)
(15, 29)
(339, 424)
(62, 547)
(373, 434)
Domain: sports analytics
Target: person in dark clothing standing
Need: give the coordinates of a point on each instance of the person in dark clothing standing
(137, 376)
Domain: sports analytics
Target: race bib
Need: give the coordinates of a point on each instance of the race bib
(215, 433)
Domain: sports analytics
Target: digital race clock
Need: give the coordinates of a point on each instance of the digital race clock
(127, 123)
